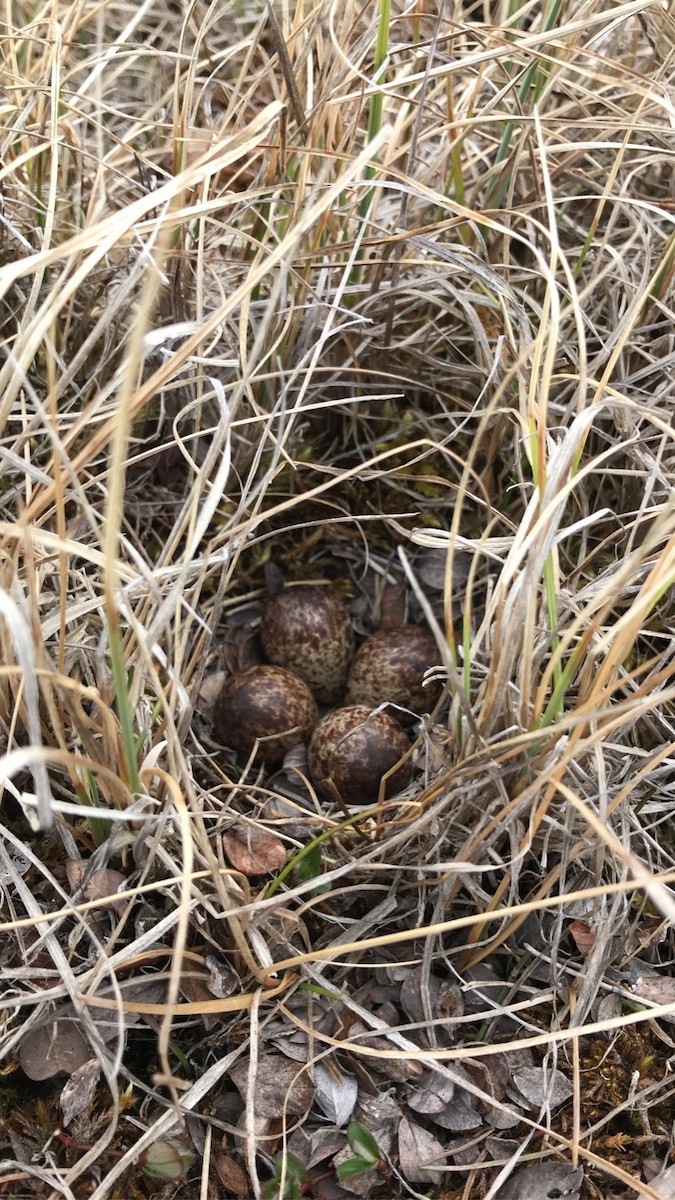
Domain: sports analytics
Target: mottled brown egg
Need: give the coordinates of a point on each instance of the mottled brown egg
(265, 704)
(308, 630)
(352, 748)
(390, 666)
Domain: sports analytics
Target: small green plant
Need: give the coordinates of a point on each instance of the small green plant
(89, 796)
(288, 1180)
(166, 1159)
(366, 1153)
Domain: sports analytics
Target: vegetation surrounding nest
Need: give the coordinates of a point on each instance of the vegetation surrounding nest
(382, 293)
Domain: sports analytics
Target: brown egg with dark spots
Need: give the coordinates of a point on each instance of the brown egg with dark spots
(308, 630)
(351, 750)
(264, 704)
(390, 667)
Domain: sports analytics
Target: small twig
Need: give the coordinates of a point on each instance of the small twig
(286, 66)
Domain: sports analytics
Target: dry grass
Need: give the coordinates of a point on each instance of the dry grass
(386, 297)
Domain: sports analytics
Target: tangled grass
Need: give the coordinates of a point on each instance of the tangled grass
(382, 294)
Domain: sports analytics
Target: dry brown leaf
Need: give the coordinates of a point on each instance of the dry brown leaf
(491, 1074)
(663, 1184)
(393, 604)
(102, 883)
(380, 1109)
(545, 1181)
(195, 987)
(501, 1149)
(223, 980)
(606, 1007)
(293, 1043)
(336, 1093)
(538, 1085)
(459, 1116)
(78, 1092)
(316, 1147)
(431, 567)
(499, 1119)
(432, 1096)
(280, 1086)
(233, 1177)
(660, 989)
(57, 1048)
(422, 992)
(211, 686)
(651, 1167)
(254, 851)
(396, 1068)
(417, 1150)
(584, 936)
(241, 647)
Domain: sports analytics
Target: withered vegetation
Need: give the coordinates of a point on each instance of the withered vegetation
(380, 296)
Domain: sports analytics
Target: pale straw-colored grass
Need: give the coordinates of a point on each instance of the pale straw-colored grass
(340, 287)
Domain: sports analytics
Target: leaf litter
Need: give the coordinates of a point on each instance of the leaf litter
(544, 1181)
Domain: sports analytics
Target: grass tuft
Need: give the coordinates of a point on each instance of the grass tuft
(381, 296)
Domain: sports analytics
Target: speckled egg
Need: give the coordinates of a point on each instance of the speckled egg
(352, 748)
(308, 630)
(265, 704)
(390, 666)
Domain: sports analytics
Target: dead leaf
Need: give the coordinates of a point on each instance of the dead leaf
(108, 1020)
(381, 1109)
(293, 1043)
(146, 918)
(651, 1167)
(56, 1048)
(459, 1116)
(326, 1187)
(499, 1119)
(211, 686)
(431, 565)
(396, 1068)
(491, 1074)
(538, 1086)
(316, 1147)
(482, 987)
(606, 1007)
(195, 988)
(545, 1181)
(223, 980)
(660, 989)
(663, 1184)
(233, 1178)
(101, 884)
(336, 1093)
(254, 851)
(461, 1151)
(261, 1129)
(386, 1012)
(280, 1086)
(393, 604)
(423, 993)
(16, 864)
(433, 1096)
(583, 935)
(241, 645)
(500, 1150)
(417, 1148)
(78, 1092)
